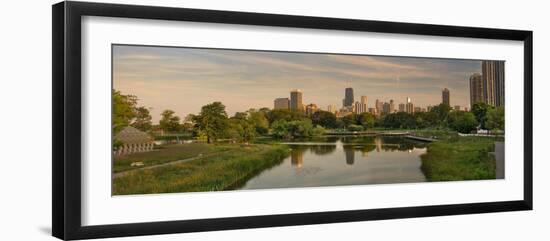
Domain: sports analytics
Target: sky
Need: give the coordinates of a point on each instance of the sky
(184, 79)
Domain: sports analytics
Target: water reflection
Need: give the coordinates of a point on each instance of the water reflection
(350, 154)
(368, 160)
(297, 157)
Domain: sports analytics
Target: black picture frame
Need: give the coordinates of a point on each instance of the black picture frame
(66, 127)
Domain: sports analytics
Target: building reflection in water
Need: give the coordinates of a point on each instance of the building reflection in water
(350, 154)
(378, 143)
(297, 157)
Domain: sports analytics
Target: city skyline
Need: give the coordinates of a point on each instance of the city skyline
(185, 79)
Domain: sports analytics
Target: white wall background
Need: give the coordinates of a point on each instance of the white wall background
(25, 97)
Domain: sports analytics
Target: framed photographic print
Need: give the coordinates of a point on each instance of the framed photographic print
(170, 120)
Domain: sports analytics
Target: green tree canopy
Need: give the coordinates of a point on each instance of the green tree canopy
(143, 119)
(291, 129)
(495, 119)
(441, 112)
(169, 121)
(212, 121)
(123, 110)
(259, 121)
(480, 110)
(241, 129)
(366, 120)
(399, 120)
(324, 118)
(461, 121)
(350, 119)
(283, 114)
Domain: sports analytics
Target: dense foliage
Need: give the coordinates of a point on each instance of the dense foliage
(213, 123)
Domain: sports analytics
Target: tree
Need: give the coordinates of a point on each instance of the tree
(258, 121)
(241, 130)
(240, 115)
(350, 119)
(169, 121)
(461, 121)
(480, 110)
(213, 121)
(291, 129)
(123, 110)
(284, 114)
(280, 129)
(495, 119)
(441, 112)
(353, 127)
(399, 120)
(143, 119)
(324, 118)
(366, 120)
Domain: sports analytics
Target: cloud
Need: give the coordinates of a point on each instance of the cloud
(184, 79)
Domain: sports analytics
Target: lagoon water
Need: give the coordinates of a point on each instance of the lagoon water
(335, 161)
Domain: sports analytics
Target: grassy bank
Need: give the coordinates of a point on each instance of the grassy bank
(464, 158)
(213, 173)
(165, 154)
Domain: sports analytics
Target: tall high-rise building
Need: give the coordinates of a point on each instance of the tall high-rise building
(386, 108)
(360, 107)
(457, 107)
(281, 103)
(476, 89)
(446, 97)
(409, 107)
(348, 98)
(296, 100)
(365, 100)
(492, 73)
(401, 107)
(392, 107)
(378, 106)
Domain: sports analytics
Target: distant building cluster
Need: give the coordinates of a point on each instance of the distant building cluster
(487, 87)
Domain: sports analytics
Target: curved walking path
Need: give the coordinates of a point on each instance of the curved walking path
(124, 173)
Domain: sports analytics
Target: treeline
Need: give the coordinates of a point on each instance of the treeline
(213, 123)
(481, 116)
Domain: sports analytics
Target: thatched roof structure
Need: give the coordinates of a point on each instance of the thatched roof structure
(131, 135)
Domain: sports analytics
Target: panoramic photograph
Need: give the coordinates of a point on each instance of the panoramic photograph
(201, 119)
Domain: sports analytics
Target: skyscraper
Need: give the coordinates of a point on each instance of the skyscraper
(348, 100)
(281, 103)
(386, 108)
(392, 107)
(364, 100)
(360, 107)
(401, 107)
(476, 89)
(296, 100)
(378, 106)
(409, 107)
(493, 82)
(446, 97)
